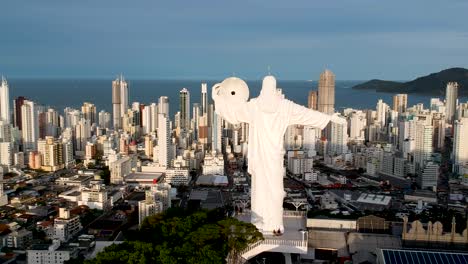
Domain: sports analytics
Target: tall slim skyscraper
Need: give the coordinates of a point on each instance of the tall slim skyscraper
(460, 145)
(451, 96)
(423, 150)
(119, 100)
(312, 100)
(326, 92)
(4, 101)
(18, 102)
(164, 137)
(204, 98)
(30, 124)
(89, 112)
(400, 102)
(163, 105)
(184, 97)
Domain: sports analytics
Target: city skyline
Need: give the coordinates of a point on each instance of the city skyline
(50, 39)
(234, 132)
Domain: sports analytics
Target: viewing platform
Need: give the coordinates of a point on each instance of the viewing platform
(293, 240)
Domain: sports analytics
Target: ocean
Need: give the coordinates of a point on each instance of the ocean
(63, 93)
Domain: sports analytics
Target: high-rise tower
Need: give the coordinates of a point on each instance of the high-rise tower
(119, 100)
(89, 112)
(460, 145)
(4, 101)
(30, 124)
(451, 96)
(312, 100)
(184, 97)
(204, 99)
(326, 92)
(163, 105)
(18, 102)
(400, 102)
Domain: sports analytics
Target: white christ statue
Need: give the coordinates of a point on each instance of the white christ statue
(268, 116)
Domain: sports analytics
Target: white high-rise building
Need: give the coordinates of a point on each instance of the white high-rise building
(338, 135)
(451, 97)
(217, 133)
(357, 126)
(423, 148)
(146, 120)
(164, 138)
(6, 154)
(72, 117)
(406, 130)
(4, 101)
(148, 208)
(104, 119)
(204, 99)
(89, 112)
(154, 116)
(82, 134)
(460, 145)
(382, 109)
(427, 176)
(400, 102)
(326, 92)
(30, 125)
(163, 105)
(309, 141)
(184, 97)
(66, 226)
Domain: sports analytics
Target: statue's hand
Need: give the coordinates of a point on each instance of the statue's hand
(338, 119)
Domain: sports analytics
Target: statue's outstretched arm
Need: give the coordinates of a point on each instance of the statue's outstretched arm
(300, 115)
(232, 113)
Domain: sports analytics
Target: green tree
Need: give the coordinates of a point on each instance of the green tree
(179, 236)
(105, 175)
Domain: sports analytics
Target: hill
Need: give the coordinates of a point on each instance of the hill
(432, 84)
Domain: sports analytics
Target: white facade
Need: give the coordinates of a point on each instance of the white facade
(6, 154)
(382, 109)
(65, 226)
(4, 101)
(178, 176)
(451, 97)
(460, 145)
(94, 198)
(428, 177)
(50, 255)
(164, 137)
(30, 125)
(104, 119)
(300, 165)
(204, 98)
(148, 208)
(213, 164)
(338, 138)
(423, 148)
(357, 126)
(119, 169)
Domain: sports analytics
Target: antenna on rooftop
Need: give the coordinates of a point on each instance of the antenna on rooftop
(269, 70)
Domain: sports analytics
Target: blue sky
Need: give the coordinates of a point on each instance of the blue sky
(150, 39)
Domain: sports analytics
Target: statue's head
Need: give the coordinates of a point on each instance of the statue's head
(269, 97)
(233, 90)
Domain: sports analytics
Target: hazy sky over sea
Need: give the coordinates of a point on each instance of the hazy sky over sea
(356, 39)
